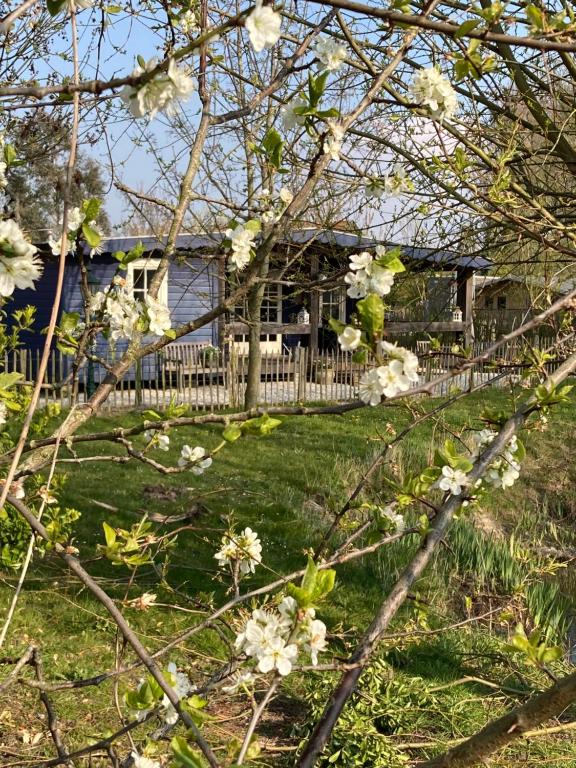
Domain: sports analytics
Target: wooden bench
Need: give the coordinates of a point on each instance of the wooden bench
(187, 359)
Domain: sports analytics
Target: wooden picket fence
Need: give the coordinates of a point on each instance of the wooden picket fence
(184, 374)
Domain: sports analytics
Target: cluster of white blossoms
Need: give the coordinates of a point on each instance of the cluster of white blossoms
(194, 459)
(244, 549)
(121, 312)
(3, 412)
(277, 204)
(263, 26)
(390, 379)
(19, 265)
(367, 276)
(75, 219)
(434, 91)
(160, 94)
(330, 53)
(188, 22)
(241, 246)
(504, 470)
(333, 142)
(392, 185)
(274, 638)
(182, 687)
(126, 316)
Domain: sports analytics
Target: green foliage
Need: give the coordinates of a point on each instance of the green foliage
(315, 586)
(127, 547)
(186, 756)
(534, 648)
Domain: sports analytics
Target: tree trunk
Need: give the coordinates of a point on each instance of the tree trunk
(254, 305)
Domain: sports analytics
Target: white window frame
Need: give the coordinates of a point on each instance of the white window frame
(341, 304)
(149, 264)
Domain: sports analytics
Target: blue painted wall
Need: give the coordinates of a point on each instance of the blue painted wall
(192, 290)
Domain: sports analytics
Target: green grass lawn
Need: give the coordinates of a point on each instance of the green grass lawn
(287, 486)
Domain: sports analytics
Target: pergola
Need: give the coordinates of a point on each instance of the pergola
(331, 248)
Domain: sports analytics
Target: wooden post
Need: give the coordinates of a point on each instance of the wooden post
(465, 300)
(314, 303)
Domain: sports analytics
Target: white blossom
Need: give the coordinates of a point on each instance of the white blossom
(164, 442)
(452, 480)
(160, 94)
(158, 316)
(238, 681)
(397, 520)
(370, 387)
(434, 91)
(3, 412)
(140, 761)
(381, 280)
(196, 457)
(243, 548)
(409, 359)
(333, 142)
(361, 261)
(182, 687)
(289, 117)
(386, 380)
(241, 243)
(3, 179)
(78, 5)
(358, 284)
(19, 265)
(286, 195)
(392, 378)
(142, 603)
(315, 638)
(331, 53)
(350, 338)
(263, 26)
(278, 655)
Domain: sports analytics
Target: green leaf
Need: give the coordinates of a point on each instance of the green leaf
(55, 6)
(336, 325)
(253, 225)
(91, 235)
(371, 312)
(232, 433)
(109, 534)
(8, 380)
(272, 145)
(316, 87)
(113, 9)
(9, 154)
(185, 755)
(391, 260)
(466, 27)
(91, 208)
(69, 321)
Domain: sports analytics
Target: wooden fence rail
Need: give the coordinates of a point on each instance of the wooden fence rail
(193, 374)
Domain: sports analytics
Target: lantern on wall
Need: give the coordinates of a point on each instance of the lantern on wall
(456, 315)
(303, 317)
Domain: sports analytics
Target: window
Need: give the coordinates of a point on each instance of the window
(270, 312)
(489, 302)
(333, 304)
(140, 273)
(501, 302)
